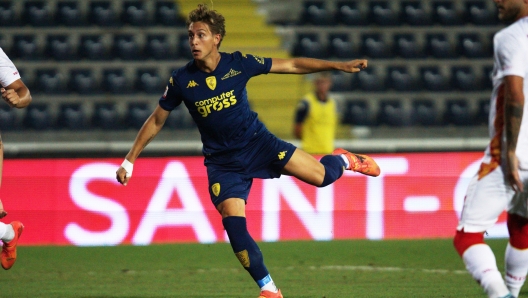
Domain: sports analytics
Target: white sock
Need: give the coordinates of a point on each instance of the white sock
(6, 232)
(269, 286)
(346, 160)
(516, 268)
(481, 264)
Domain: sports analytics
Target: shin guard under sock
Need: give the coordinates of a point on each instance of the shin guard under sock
(246, 249)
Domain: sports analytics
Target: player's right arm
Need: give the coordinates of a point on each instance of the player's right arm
(146, 134)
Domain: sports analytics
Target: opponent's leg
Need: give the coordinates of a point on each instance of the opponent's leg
(516, 257)
(244, 247)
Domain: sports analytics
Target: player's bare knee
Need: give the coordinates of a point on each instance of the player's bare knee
(463, 240)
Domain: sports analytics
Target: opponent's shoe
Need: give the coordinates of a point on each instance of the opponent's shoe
(9, 252)
(360, 163)
(269, 294)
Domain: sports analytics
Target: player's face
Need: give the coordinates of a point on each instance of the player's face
(510, 10)
(202, 41)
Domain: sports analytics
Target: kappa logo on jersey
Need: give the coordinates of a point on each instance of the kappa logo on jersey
(171, 81)
(191, 84)
(215, 188)
(259, 59)
(282, 154)
(217, 103)
(231, 73)
(211, 82)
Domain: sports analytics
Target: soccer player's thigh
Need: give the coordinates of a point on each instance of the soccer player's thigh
(305, 167)
(486, 199)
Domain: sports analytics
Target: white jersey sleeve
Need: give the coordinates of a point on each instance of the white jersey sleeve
(511, 54)
(8, 70)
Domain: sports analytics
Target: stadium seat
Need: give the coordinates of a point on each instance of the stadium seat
(50, 81)
(4, 44)
(137, 113)
(25, 47)
(106, 116)
(445, 13)
(433, 79)
(8, 118)
(464, 78)
(7, 14)
(38, 13)
(471, 46)
(69, 14)
(478, 13)
(342, 82)
(348, 13)
(158, 47)
(83, 81)
(399, 78)
(71, 116)
(308, 45)
(149, 81)
(391, 112)
(406, 46)
(60, 48)
(134, 13)
(438, 46)
(340, 46)
(167, 13)
(413, 13)
(424, 112)
(357, 112)
(457, 112)
(374, 46)
(184, 49)
(482, 116)
(126, 47)
(102, 14)
(115, 81)
(315, 13)
(382, 13)
(369, 79)
(37, 117)
(93, 48)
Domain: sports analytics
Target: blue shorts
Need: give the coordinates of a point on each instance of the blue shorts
(231, 174)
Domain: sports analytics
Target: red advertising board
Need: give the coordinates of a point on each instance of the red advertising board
(79, 201)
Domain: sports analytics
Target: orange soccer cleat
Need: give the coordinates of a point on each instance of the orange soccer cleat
(9, 252)
(360, 163)
(269, 294)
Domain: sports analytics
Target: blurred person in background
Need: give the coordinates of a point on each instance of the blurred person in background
(16, 95)
(316, 117)
(238, 147)
(502, 180)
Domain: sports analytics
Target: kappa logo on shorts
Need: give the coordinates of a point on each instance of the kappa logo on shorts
(243, 257)
(282, 154)
(215, 188)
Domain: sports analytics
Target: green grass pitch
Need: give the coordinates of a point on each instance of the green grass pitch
(358, 268)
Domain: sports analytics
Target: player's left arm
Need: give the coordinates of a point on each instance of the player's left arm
(16, 94)
(310, 65)
(513, 113)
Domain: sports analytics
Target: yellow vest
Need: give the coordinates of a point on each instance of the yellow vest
(319, 127)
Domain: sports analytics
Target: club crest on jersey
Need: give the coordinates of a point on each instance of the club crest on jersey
(215, 188)
(211, 82)
(231, 73)
(191, 84)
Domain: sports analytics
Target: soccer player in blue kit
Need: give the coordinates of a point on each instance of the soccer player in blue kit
(237, 147)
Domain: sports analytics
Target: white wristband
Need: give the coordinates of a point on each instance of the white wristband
(128, 166)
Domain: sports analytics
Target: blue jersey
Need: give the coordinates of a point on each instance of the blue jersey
(218, 101)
